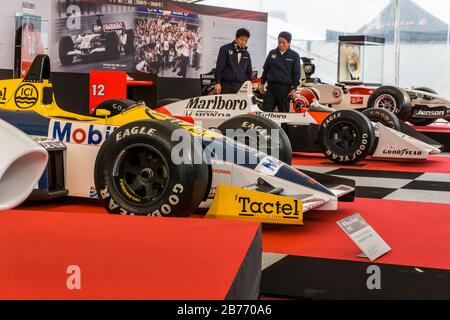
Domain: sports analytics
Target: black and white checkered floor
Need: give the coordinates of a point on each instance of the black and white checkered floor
(394, 185)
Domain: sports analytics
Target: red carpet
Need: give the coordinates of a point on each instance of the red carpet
(120, 257)
(417, 232)
(433, 164)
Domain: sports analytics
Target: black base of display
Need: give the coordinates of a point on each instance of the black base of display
(312, 278)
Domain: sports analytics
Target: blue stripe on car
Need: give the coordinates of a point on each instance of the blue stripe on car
(29, 122)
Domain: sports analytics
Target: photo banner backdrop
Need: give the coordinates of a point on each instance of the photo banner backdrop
(170, 39)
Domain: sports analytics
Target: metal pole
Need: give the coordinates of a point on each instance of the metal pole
(397, 42)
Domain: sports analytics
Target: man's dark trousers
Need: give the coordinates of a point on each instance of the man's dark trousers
(277, 95)
(229, 87)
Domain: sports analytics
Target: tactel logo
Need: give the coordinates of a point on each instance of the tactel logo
(251, 208)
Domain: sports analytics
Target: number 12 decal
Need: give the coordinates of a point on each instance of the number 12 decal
(98, 90)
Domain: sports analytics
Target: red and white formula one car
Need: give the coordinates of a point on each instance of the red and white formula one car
(345, 136)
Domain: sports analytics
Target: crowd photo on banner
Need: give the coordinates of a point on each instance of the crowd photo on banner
(167, 46)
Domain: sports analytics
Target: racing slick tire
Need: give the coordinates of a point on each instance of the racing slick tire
(65, 46)
(135, 174)
(392, 98)
(112, 48)
(347, 137)
(116, 106)
(420, 122)
(383, 116)
(263, 128)
(129, 45)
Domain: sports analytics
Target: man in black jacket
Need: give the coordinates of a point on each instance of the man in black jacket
(234, 65)
(282, 74)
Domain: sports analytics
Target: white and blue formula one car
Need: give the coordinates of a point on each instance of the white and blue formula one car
(126, 160)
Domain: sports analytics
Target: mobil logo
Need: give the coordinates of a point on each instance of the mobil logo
(80, 133)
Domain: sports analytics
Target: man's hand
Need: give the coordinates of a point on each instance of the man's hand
(293, 93)
(218, 88)
(261, 88)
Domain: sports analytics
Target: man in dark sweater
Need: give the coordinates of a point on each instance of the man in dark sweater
(282, 74)
(234, 65)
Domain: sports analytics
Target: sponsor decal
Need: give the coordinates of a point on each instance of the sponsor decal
(26, 96)
(222, 171)
(134, 131)
(430, 113)
(269, 166)
(80, 133)
(93, 193)
(274, 56)
(357, 100)
(403, 152)
(206, 114)
(243, 204)
(3, 95)
(217, 103)
(270, 115)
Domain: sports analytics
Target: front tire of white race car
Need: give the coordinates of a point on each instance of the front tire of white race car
(135, 174)
(393, 99)
(383, 116)
(259, 131)
(347, 137)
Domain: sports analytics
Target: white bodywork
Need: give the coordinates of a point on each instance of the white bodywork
(22, 162)
(211, 111)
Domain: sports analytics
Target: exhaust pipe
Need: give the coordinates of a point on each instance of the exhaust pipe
(22, 163)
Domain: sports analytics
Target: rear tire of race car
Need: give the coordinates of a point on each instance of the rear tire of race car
(418, 121)
(116, 106)
(383, 116)
(65, 46)
(392, 98)
(347, 137)
(135, 174)
(264, 126)
(112, 50)
(129, 46)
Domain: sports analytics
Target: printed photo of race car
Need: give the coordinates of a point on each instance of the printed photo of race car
(106, 42)
(125, 159)
(419, 106)
(344, 136)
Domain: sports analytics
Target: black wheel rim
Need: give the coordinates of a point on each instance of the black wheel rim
(141, 174)
(344, 137)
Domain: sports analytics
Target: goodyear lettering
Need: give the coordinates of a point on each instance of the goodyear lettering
(135, 131)
(218, 103)
(174, 200)
(80, 134)
(403, 152)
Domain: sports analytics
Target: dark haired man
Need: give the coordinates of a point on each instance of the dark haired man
(234, 65)
(282, 74)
